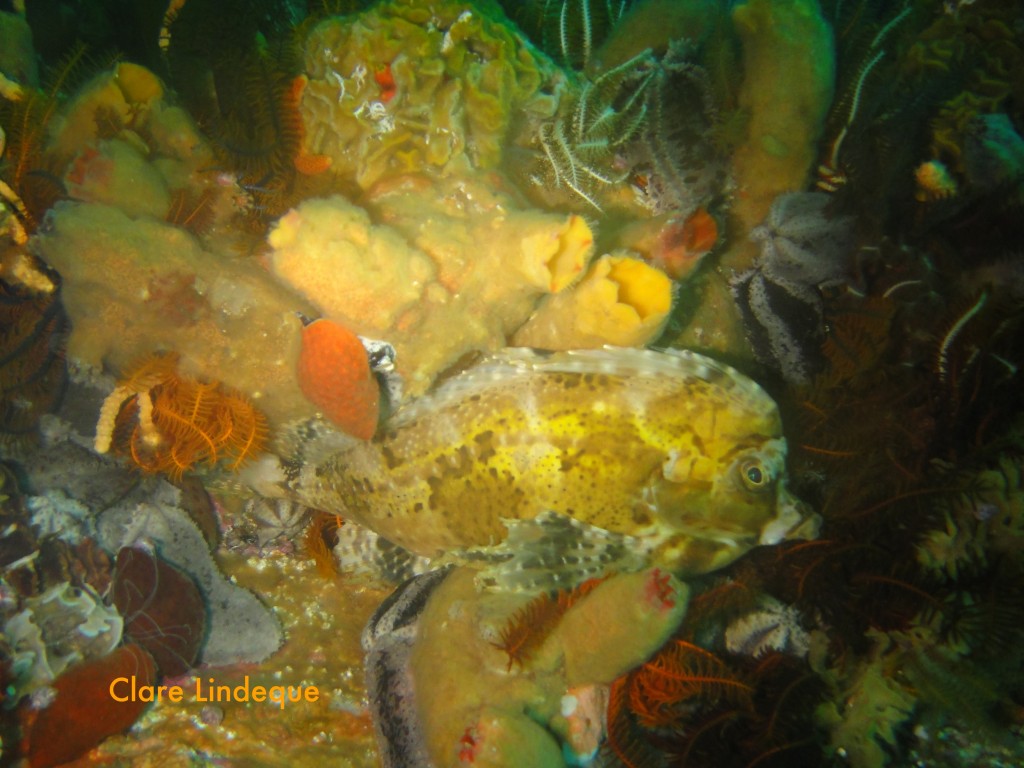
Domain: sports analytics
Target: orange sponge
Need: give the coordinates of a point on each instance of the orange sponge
(334, 375)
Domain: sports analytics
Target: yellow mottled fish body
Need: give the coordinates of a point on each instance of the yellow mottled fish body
(680, 453)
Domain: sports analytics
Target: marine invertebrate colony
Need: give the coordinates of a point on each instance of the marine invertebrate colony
(419, 119)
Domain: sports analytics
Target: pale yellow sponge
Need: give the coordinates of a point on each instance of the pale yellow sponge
(440, 270)
(474, 707)
(621, 301)
(120, 96)
(361, 274)
(789, 61)
(135, 286)
(555, 258)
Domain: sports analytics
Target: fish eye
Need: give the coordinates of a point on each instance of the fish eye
(756, 476)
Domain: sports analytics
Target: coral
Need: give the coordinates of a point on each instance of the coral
(404, 86)
(81, 712)
(452, 271)
(334, 373)
(166, 422)
(619, 301)
(163, 610)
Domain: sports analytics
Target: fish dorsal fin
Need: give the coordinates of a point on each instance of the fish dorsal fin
(513, 362)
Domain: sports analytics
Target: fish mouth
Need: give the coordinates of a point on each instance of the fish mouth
(795, 520)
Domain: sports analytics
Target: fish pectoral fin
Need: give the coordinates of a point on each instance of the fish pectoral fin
(552, 551)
